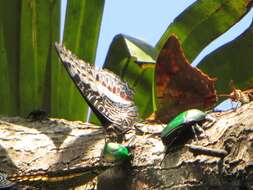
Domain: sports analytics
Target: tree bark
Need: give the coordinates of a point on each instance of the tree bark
(54, 149)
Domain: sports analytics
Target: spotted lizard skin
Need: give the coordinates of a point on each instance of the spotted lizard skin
(109, 98)
(41, 177)
(4, 182)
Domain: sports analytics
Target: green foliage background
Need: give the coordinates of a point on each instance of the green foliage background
(32, 78)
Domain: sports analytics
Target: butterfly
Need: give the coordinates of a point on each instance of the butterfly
(179, 86)
(106, 94)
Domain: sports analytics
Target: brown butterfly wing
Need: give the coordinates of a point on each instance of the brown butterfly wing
(179, 86)
(109, 98)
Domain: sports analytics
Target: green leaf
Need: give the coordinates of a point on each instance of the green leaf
(204, 21)
(133, 60)
(9, 48)
(81, 31)
(232, 61)
(28, 29)
(39, 28)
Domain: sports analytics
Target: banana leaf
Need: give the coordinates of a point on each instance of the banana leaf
(232, 61)
(81, 31)
(9, 49)
(204, 21)
(39, 28)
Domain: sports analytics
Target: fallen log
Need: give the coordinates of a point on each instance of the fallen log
(43, 153)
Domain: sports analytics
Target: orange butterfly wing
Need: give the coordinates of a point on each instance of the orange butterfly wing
(180, 86)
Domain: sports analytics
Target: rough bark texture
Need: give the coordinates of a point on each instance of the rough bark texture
(62, 148)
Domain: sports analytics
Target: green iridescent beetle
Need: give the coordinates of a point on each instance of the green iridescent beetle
(114, 152)
(190, 119)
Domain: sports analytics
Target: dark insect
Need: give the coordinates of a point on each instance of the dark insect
(182, 127)
(108, 97)
(187, 120)
(37, 115)
(114, 152)
(238, 95)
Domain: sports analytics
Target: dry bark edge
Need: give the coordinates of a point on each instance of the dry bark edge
(64, 147)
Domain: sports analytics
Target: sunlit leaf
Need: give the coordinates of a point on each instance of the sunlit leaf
(9, 48)
(232, 61)
(204, 21)
(28, 30)
(82, 26)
